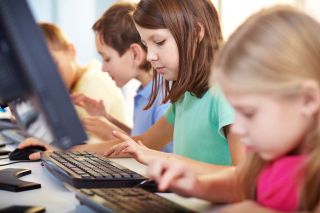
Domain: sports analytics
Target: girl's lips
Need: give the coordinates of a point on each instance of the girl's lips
(160, 70)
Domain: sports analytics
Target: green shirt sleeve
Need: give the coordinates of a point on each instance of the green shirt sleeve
(170, 114)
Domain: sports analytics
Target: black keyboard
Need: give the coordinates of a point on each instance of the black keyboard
(87, 170)
(127, 200)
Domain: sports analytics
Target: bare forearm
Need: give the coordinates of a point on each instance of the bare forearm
(157, 136)
(155, 142)
(118, 124)
(220, 187)
(197, 167)
(100, 148)
(114, 127)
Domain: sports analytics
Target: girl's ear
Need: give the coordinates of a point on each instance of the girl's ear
(200, 31)
(139, 55)
(310, 93)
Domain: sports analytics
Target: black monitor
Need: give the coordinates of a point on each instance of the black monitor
(27, 72)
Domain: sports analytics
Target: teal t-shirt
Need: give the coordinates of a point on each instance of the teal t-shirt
(198, 127)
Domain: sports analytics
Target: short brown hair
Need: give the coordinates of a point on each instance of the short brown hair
(117, 29)
(54, 36)
(182, 19)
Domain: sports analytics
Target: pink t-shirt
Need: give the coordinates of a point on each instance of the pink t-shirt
(278, 183)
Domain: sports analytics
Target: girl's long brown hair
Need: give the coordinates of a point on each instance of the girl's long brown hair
(273, 52)
(182, 19)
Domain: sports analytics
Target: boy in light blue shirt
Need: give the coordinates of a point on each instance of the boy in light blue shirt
(124, 58)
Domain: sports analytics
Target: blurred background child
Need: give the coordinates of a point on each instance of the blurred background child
(88, 80)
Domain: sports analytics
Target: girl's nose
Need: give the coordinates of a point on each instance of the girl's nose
(238, 128)
(151, 56)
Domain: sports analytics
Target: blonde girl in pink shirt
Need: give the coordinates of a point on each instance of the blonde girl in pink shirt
(270, 72)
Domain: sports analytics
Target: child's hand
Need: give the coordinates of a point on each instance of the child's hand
(99, 127)
(175, 176)
(135, 149)
(34, 142)
(93, 107)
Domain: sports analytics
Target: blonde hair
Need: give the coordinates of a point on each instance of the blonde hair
(273, 52)
(54, 36)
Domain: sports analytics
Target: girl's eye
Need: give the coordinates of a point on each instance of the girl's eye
(107, 59)
(248, 114)
(160, 42)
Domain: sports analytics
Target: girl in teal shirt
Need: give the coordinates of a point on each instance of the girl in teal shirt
(182, 38)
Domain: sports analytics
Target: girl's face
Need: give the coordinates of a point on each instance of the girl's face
(162, 51)
(269, 125)
(120, 68)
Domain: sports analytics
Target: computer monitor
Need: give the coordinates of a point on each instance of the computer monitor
(27, 72)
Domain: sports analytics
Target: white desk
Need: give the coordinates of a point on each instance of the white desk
(55, 197)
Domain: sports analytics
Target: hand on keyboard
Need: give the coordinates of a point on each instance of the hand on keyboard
(129, 147)
(175, 176)
(35, 142)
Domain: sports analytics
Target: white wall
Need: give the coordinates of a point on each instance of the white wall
(75, 17)
(233, 13)
(312, 7)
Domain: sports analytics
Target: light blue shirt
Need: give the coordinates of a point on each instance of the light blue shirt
(144, 119)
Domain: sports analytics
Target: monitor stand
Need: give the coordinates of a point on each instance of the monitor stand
(9, 180)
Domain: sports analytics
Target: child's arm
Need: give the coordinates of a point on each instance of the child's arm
(146, 155)
(115, 122)
(158, 135)
(134, 149)
(247, 206)
(178, 177)
(96, 108)
(155, 137)
(101, 127)
(91, 106)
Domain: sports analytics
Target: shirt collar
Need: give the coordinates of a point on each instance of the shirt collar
(145, 91)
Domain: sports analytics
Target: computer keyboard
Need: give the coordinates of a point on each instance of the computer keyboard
(87, 170)
(127, 200)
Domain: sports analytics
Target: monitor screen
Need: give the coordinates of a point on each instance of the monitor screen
(27, 72)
